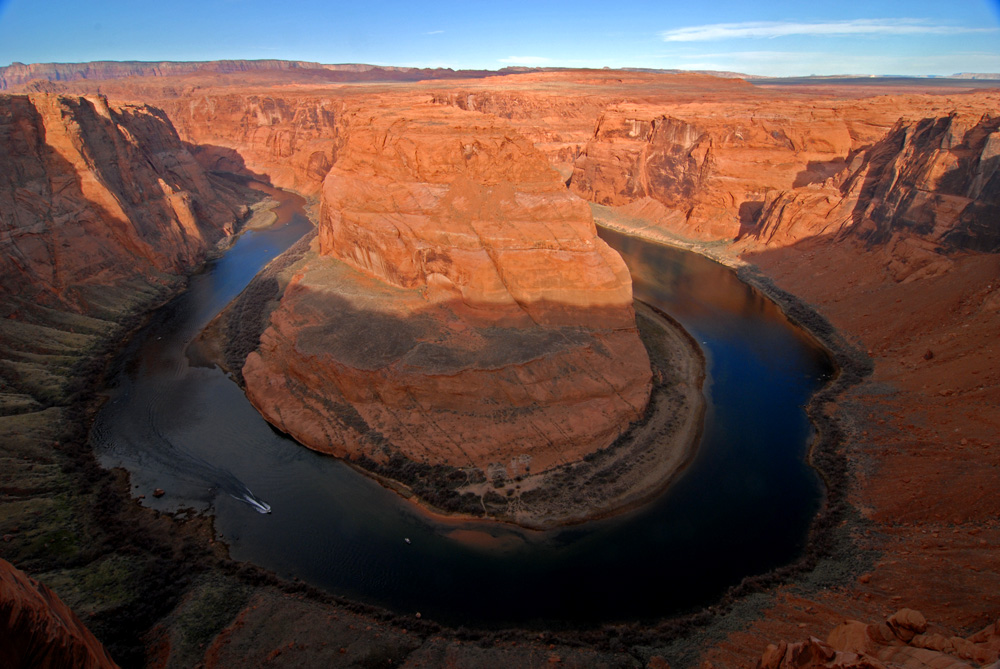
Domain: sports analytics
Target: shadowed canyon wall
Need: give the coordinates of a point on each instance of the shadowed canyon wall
(102, 210)
(936, 180)
(93, 194)
(704, 170)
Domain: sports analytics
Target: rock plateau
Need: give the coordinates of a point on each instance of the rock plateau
(457, 308)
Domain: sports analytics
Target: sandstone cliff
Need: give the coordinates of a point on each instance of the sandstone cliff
(934, 182)
(37, 630)
(92, 194)
(102, 209)
(458, 308)
(289, 140)
(703, 170)
(703, 174)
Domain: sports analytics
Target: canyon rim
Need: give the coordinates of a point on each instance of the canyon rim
(869, 214)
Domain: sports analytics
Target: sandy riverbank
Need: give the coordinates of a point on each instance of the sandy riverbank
(907, 406)
(636, 468)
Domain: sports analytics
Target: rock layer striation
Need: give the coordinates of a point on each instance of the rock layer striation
(92, 194)
(102, 211)
(936, 180)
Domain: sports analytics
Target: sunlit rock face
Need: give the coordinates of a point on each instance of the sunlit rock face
(289, 140)
(457, 307)
(472, 213)
(92, 195)
(702, 173)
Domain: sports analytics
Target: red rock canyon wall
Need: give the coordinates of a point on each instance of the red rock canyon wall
(92, 194)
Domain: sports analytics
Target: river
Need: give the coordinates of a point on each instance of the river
(742, 507)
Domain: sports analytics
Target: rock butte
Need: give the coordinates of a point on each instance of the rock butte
(871, 202)
(458, 301)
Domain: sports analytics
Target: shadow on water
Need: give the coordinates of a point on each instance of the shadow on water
(742, 507)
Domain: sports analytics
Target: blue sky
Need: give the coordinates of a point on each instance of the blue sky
(772, 38)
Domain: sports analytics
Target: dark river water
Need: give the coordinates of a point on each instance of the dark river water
(743, 505)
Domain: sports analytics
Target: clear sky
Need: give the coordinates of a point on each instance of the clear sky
(770, 38)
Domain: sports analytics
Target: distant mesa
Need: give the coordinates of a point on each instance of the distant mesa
(18, 74)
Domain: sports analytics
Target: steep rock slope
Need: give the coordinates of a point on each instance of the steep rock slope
(102, 209)
(473, 212)
(458, 308)
(292, 139)
(899, 252)
(38, 630)
(703, 173)
(936, 180)
(704, 170)
(91, 194)
(102, 212)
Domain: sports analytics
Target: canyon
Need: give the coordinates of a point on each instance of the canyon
(868, 215)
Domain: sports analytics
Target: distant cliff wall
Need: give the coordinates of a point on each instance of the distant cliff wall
(937, 179)
(290, 140)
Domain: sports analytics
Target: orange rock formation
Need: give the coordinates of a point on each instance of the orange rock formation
(929, 184)
(292, 142)
(460, 309)
(904, 639)
(705, 170)
(93, 194)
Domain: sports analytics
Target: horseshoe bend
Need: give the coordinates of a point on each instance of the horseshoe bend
(458, 310)
(454, 325)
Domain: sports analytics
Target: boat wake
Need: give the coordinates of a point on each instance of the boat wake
(145, 446)
(259, 505)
